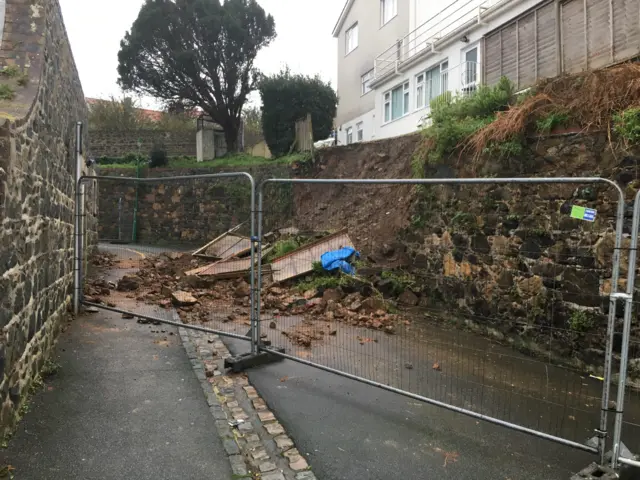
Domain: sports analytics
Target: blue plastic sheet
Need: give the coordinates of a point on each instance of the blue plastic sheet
(339, 259)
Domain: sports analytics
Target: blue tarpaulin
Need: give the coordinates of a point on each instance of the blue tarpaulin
(338, 259)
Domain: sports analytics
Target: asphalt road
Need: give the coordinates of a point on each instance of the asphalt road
(124, 404)
(350, 430)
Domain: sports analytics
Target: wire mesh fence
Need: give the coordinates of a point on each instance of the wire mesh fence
(492, 298)
(174, 246)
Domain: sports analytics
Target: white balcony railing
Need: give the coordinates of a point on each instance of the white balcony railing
(424, 38)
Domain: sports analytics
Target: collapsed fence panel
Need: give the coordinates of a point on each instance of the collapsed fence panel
(491, 297)
(145, 267)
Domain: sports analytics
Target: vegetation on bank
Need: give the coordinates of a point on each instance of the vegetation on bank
(495, 121)
(228, 161)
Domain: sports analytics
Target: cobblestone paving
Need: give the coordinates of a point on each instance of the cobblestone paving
(257, 445)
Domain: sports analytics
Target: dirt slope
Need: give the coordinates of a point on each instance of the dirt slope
(372, 213)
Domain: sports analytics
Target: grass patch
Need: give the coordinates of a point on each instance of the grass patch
(7, 92)
(11, 71)
(282, 247)
(399, 281)
(323, 281)
(626, 125)
(551, 121)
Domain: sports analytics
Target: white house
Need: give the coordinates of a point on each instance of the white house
(455, 45)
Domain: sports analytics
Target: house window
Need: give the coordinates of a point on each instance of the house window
(420, 91)
(366, 82)
(470, 70)
(431, 84)
(349, 135)
(351, 39)
(359, 131)
(396, 102)
(388, 10)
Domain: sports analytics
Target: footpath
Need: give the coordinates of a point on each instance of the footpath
(125, 402)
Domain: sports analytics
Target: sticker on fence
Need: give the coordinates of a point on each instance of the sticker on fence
(582, 213)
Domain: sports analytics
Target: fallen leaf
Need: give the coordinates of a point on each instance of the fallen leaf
(284, 379)
(436, 366)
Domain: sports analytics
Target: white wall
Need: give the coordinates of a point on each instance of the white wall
(369, 123)
(453, 53)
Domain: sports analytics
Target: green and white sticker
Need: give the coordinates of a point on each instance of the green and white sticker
(582, 213)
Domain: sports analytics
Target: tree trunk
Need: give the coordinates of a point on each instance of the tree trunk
(231, 136)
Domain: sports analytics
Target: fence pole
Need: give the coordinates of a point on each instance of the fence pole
(255, 245)
(77, 227)
(613, 303)
(626, 333)
(259, 273)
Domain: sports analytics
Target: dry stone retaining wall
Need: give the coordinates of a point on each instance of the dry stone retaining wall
(37, 169)
(112, 143)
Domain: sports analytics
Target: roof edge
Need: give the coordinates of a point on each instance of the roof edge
(342, 17)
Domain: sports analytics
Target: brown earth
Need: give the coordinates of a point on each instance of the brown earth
(359, 207)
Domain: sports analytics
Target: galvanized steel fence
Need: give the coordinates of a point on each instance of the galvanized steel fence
(402, 341)
(533, 265)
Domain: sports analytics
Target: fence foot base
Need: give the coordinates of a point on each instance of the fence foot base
(595, 471)
(240, 363)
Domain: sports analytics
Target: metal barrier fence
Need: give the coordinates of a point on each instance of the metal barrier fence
(532, 264)
(152, 274)
(500, 302)
(628, 395)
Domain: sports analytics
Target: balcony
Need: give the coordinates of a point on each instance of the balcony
(424, 40)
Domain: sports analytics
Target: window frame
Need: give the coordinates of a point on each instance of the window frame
(351, 33)
(349, 135)
(359, 131)
(442, 68)
(405, 99)
(366, 83)
(393, 14)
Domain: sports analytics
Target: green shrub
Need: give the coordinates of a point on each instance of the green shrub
(7, 92)
(455, 120)
(509, 149)
(399, 281)
(581, 321)
(551, 121)
(287, 98)
(627, 125)
(129, 159)
(158, 157)
(10, 71)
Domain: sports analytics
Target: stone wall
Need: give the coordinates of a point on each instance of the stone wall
(37, 168)
(507, 261)
(186, 212)
(121, 143)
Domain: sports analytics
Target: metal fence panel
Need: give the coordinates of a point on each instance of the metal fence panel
(172, 246)
(499, 303)
(627, 404)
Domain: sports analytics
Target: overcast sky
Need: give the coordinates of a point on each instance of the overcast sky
(304, 40)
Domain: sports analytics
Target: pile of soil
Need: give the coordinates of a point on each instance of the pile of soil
(162, 281)
(373, 214)
(322, 309)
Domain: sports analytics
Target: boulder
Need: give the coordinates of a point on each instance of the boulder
(332, 294)
(371, 305)
(408, 298)
(242, 290)
(183, 299)
(128, 283)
